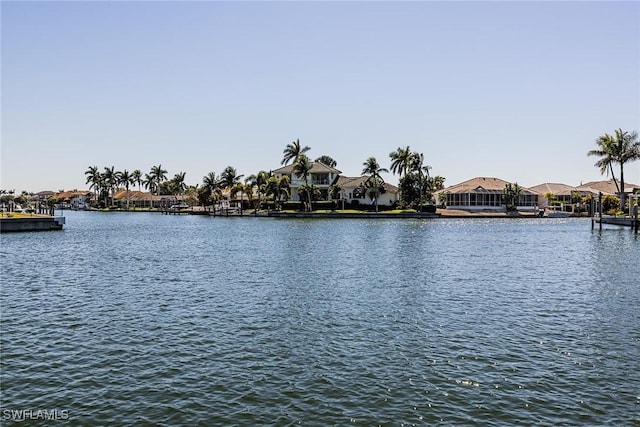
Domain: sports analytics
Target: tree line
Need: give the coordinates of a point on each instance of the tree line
(416, 184)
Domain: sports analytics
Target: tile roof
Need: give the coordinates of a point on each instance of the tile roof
(72, 193)
(606, 187)
(553, 187)
(480, 185)
(353, 182)
(316, 167)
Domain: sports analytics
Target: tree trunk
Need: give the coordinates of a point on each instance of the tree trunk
(622, 201)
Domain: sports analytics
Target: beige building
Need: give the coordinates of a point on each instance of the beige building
(484, 193)
(563, 194)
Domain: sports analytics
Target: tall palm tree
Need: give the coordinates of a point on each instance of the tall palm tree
(157, 176)
(326, 160)
(621, 148)
(212, 186)
(126, 179)
(179, 186)
(605, 151)
(94, 178)
(110, 177)
(136, 178)
(416, 164)
(301, 169)
(229, 177)
(401, 160)
(293, 151)
(373, 170)
(148, 183)
(258, 180)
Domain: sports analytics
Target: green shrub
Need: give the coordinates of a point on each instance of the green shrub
(293, 206)
(323, 205)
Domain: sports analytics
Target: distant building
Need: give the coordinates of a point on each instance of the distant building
(354, 189)
(75, 199)
(563, 194)
(143, 200)
(484, 193)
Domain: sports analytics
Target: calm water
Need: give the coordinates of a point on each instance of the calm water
(146, 319)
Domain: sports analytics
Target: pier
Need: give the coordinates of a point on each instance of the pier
(623, 221)
(631, 221)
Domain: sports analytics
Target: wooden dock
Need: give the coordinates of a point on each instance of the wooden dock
(623, 221)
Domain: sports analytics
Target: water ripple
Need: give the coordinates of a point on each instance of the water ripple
(167, 320)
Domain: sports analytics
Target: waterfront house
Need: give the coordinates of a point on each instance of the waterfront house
(143, 200)
(607, 188)
(320, 175)
(75, 199)
(556, 194)
(484, 194)
(354, 191)
(42, 196)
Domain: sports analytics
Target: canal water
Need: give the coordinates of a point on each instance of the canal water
(148, 319)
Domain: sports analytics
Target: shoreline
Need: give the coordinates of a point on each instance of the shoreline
(337, 214)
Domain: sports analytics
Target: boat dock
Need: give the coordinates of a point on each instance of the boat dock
(630, 220)
(623, 221)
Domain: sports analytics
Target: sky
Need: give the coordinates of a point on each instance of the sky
(508, 89)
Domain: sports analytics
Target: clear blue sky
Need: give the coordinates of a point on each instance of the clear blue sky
(515, 90)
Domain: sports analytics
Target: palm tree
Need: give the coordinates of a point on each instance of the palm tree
(622, 148)
(258, 180)
(238, 187)
(301, 169)
(229, 177)
(373, 170)
(605, 151)
(126, 179)
(110, 177)
(148, 183)
(136, 178)
(248, 190)
(326, 160)
(401, 160)
(293, 151)
(282, 188)
(179, 186)
(311, 191)
(416, 164)
(157, 176)
(211, 186)
(94, 178)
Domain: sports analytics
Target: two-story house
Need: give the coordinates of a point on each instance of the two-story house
(320, 175)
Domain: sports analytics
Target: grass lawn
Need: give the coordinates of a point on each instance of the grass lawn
(17, 215)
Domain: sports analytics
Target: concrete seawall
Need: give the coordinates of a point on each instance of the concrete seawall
(349, 215)
(11, 225)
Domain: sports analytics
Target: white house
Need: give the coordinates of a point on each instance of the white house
(320, 175)
(354, 189)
